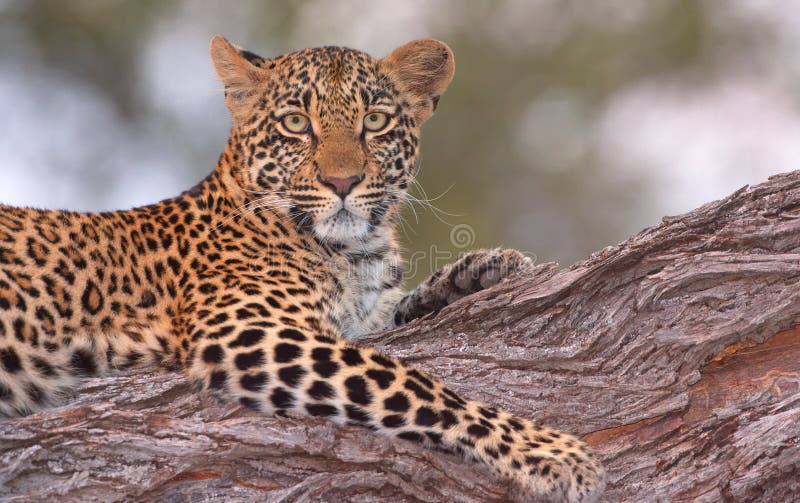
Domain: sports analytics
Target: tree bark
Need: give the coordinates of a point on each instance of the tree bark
(676, 354)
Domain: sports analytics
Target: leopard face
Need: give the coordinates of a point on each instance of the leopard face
(331, 135)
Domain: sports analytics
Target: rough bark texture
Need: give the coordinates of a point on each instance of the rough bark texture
(675, 354)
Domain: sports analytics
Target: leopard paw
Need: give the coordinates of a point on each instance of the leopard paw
(548, 465)
(471, 273)
(479, 270)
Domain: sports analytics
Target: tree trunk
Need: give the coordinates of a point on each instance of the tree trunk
(676, 354)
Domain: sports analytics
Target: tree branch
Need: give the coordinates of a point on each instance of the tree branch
(676, 354)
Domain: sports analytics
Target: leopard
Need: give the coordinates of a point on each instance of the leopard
(259, 282)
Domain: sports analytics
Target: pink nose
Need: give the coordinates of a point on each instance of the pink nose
(341, 186)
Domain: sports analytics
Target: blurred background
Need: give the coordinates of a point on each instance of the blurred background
(570, 124)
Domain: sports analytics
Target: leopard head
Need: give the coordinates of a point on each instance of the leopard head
(330, 136)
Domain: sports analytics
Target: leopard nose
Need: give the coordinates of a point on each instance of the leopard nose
(341, 186)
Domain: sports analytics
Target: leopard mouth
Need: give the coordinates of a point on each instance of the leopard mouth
(342, 218)
(342, 213)
(344, 226)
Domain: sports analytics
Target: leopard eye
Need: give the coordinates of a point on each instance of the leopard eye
(295, 123)
(375, 121)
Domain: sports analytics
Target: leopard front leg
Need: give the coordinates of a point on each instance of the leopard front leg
(309, 371)
(471, 273)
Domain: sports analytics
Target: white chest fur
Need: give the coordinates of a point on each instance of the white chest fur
(368, 291)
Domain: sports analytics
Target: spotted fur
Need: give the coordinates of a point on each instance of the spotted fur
(253, 280)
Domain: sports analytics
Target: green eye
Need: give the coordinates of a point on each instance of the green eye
(375, 121)
(295, 123)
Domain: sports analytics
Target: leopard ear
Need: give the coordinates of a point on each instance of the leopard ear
(237, 69)
(423, 69)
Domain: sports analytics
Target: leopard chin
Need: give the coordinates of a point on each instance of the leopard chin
(343, 227)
